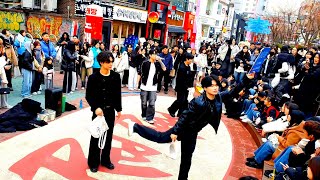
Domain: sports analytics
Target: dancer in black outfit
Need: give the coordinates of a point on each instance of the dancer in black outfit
(206, 109)
(104, 96)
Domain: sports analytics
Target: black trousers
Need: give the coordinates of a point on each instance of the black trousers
(181, 103)
(125, 76)
(36, 81)
(165, 75)
(67, 81)
(9, 77)
(96, 155)
(188, 144)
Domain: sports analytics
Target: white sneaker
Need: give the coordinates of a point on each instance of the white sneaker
(224, 111)
(82, 88)
(244, 117)
(71, 92)
(7, 106)
(144, 118)
(264, 140)
(35, 93)
(246, 120)
(258, 120)
(130, 128)
(39, 92)
(150, 121)
(243, 113)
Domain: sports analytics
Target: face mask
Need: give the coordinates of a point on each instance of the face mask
(188, 51)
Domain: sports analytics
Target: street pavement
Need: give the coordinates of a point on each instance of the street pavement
(60, 149)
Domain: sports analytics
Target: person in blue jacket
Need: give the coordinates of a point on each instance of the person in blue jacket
(19, 43)
(48, 47)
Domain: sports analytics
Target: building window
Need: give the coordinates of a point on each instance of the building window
(217, 22)
(136, 2)
(219, 9)
(246, 9)
(180, 4)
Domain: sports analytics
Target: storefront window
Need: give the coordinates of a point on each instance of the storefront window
(136, 2)
(180, 4)
(115, 29)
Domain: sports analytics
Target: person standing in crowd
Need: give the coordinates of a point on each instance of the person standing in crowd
(19, 42)
(38, 62)
(62, 42)
(148, 74)
(167, 61)
(70, 57)
(120, 64)
(48, 73)
(86, 64)
(252, 47)
(224, 53)
(93, 53)
(47, 46)
(26, 70)
(201, 60)
(133, 74)
(102, 46)
(11, 60)
(184, 80)
(234, 51)
(104, 97)
(7, 36)
(206, 109)
(269, 64)
(3, 78)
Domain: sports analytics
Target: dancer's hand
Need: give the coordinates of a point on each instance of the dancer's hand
(99, 112)
(173, 137)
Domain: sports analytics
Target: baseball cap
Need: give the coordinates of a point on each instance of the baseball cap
(258, 43)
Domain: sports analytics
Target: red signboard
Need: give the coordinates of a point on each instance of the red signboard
(94, 20)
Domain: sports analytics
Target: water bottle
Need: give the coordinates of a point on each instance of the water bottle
(81, 105)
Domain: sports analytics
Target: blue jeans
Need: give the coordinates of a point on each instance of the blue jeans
(263, 152)
(284, 158)
(26, 82)
(252, 113)
(148, 101)
(238, 76)
(246, 105)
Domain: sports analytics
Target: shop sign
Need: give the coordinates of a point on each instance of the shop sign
(176, 18)
(94, 20)
(81, 5)
(153, 17)
(129, 14)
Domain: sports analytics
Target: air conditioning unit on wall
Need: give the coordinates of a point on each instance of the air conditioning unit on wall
(48, 5)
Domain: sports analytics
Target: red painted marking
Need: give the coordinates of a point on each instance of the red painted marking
(75, 168)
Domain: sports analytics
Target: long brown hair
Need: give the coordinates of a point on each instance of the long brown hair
(314, 165)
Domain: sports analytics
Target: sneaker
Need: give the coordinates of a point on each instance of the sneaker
(243, 113)
(144, 118)
(82, 88)
(244, 117)
(7, 106)
(246, 120)
(39, 92)
(76, 88)
(11, 89)
(264, 140)
(250, 158)
(130, 128)
(150, 121)
(254, 164)
(258, 120)
(71, 92)
(224, 111)
(171, 114)
(268, 173)
(34, 93)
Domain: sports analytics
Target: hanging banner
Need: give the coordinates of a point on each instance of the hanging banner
(259, 61)
(94, 21)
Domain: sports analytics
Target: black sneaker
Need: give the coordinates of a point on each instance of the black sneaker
(254, 164)
(268, 173)
(94, 170)
(250, 158)
(151, 121)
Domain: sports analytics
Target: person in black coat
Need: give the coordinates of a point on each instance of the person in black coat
(104, 97)
(70, 58)
(184, 80)
(203, 110)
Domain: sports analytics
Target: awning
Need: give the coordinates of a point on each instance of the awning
(176, 29)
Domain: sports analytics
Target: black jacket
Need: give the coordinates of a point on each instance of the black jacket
(144, 72)
(269, 69)
(69, 59)
(184, 78)
(27, 61)
(102, 93)
(199, 113)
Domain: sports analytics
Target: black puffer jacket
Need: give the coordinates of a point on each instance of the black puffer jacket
(199, 113)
